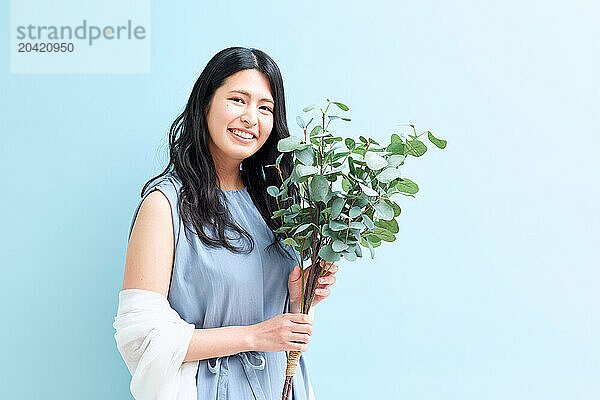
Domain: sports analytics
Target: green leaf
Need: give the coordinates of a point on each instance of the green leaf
(396, 138)
(357, 225)
(278, 160)
(388, 175)
(336, 207)
(375, 161)
(367, 190)
(305, 156)
(273, 191)
(341, 106)
(290, 241)
(358, 251)
(310, 108)
(395, 160)
(349, 256)
(288, 144)
(384, 211)
(384, 234)
(440, 143)
(391, 225)
(327, 254)
(319, 187)
(350, 143)
(306, 170)
(346, 185)
(407, 186)
(317, 130)
(395, 148)
(302, 228)
(395, 206)
(416, 148)
(300, 122)
(345, 119)
(354, 212)
(339, 246)
(365, 243)
(367, 221)
(337, 226)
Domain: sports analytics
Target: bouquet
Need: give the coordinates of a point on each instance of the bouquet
(345, 189)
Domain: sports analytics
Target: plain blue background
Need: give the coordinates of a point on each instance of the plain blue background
(490, 291)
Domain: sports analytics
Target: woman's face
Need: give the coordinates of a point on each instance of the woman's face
(243, 105)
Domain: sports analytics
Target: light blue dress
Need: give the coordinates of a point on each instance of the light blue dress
(212, 288)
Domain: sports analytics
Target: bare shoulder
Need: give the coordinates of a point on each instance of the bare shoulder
(151, 247)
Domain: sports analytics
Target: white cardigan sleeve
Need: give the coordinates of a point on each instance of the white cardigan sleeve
(153, 341)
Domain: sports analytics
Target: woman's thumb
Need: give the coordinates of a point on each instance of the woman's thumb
(295, 274)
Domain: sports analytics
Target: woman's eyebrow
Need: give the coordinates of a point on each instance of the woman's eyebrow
(249, 95)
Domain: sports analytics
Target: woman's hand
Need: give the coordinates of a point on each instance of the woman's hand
(322, 290)
(283, 332)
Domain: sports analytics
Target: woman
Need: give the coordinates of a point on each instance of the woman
(203, 238)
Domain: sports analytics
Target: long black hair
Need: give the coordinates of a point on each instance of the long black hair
(201, 202)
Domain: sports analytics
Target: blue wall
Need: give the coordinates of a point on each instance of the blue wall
(491, 290)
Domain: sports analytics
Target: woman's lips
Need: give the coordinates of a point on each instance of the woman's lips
(241, 139)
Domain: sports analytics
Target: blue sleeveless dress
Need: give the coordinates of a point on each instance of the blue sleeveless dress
(212, 288)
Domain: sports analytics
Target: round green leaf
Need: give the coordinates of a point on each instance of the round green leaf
(287, 144)
(327, 254)
(388, 175)
(384, 211)
(394, 161)
(375, 161)
(415, 147)
(317, 130)
(337, 226)
(384, 234)
(306, 156)
(407, 186)
(391, 225)
(367, 190)
(306, 170)
(273, 191)
(339, 246)
(354, 212)
(357, 225)
(336, 207)
(290, 241)
(319, 187)
(300, 122)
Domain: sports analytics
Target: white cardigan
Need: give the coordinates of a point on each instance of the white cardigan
(153, 341)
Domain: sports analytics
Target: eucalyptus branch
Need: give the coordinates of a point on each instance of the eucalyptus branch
(361, 215)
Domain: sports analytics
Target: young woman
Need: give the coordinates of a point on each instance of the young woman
(202, 236)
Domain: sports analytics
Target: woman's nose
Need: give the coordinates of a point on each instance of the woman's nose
(249, 116)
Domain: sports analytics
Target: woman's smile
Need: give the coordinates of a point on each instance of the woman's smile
(242, 135)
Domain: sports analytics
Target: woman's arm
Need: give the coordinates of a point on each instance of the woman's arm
(149, 264)
(217, 342)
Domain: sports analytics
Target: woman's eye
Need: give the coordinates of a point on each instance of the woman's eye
(267, 108)
(236, 98)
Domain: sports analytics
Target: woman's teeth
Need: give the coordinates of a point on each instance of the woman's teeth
(241, 134)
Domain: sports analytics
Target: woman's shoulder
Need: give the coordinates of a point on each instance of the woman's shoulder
(169, 183)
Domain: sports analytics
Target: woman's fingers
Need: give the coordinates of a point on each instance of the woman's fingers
(326, 280)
